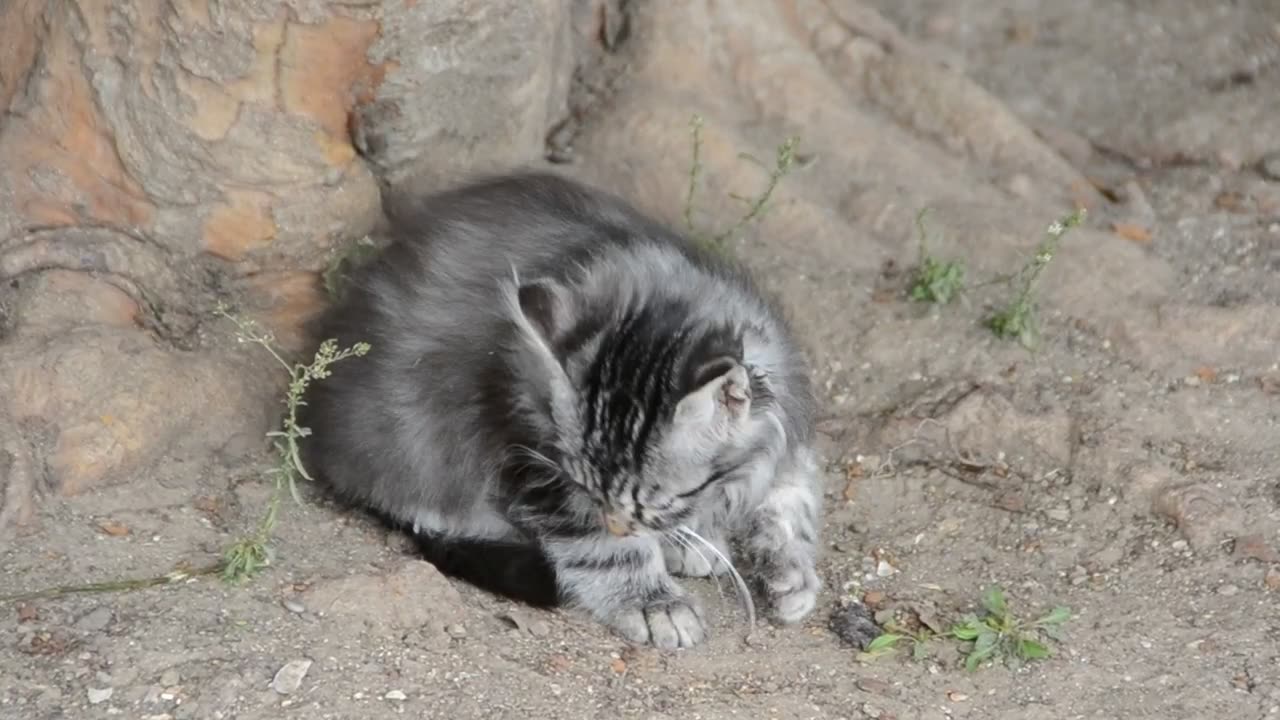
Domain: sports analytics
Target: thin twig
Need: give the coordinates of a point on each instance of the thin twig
(171, 578)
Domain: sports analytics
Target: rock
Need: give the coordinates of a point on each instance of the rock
(854, 625)
(539, 628)
(1107, 557)
(1272, 579)
(456, 631)
(412, 596)
(1269, 166)
(885, 569)
(1199, 512)
(1254, 547)
(396, 695)
(877, 687)
(169, 678)
(289, 678)
(1059, 514)
(96, 620)
(1228, 590)
(100, 695)
(293, 606)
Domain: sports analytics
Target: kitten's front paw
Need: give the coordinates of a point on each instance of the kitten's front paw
(793, 593)
(666, 624)
(685, 562)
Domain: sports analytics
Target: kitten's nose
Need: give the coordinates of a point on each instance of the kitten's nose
(618, 525)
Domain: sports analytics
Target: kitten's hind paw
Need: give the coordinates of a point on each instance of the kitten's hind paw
(666, 624)
(793, 595)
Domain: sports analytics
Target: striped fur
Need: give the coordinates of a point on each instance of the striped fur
(552, 371)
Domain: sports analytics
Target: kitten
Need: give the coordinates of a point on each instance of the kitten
(562, 393)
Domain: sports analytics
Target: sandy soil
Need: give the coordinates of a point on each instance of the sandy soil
(1128, 469)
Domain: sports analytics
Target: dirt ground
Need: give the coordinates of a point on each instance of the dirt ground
(1129, 469)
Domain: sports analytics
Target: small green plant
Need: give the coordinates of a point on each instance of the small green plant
(1018, 320)
(757, 206)
(894, 636)
(934, 281)
(998, 634)
(251, 553)
(995, 634)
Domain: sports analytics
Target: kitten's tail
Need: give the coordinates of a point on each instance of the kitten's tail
(518, 571)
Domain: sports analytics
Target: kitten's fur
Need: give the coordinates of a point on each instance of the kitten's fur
(555, 384)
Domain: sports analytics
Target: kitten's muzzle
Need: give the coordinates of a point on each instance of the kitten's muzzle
(619, 525)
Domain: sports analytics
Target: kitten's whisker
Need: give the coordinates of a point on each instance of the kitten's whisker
(743, 591)
(679, 541)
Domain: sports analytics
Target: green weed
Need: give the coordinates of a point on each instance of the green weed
(251, 553)
(995, 634)
(934, 281)
(756, 206)
(1018, 320)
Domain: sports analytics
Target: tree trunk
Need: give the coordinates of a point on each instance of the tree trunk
(157, 157)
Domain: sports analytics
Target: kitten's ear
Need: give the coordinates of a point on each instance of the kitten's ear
(547, 306)
(723, 389)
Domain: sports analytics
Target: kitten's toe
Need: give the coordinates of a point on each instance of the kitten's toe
(794, 595)
(666, 625)
(674, 625)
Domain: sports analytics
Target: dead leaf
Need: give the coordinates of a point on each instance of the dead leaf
(208, 504)
(1270, 384)
(873, 599)
(1207, 374)
(113, 528)
(27, 613)
(1132, 231)
(618, 665)
(1230, 201)
(1012, 502)
(883, 295)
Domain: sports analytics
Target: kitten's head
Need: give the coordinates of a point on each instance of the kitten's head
(640, 407)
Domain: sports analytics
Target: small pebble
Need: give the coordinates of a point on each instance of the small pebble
(169, 678)
(539, 628)
(95, 620)
(1059, 514)
(1228, 590)
(884, 569)
(294, 606)
(456, 631)
(100, 695)
(289, 678)
(1272, 580)
(1270, 166)
(396, 695)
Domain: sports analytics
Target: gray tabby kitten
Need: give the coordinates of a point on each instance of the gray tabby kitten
(561, 394)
